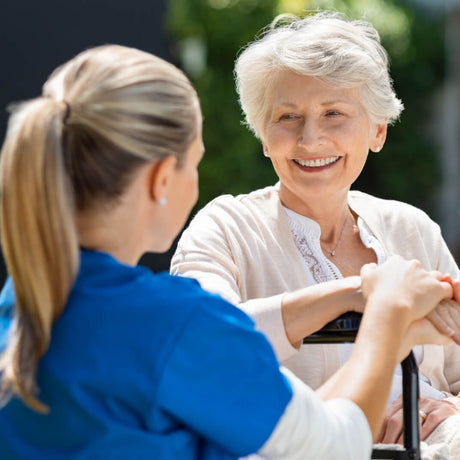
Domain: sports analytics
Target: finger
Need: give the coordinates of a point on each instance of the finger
(368, 269)
(440, 323)
(433, 419)
(448, 312)
(382, 431)
(446, 290)
(438, 275)
(456, 290)
(394, 407)
(447, 278)
(437, 411)
(427, 404)
(446, 283)
(393, 431)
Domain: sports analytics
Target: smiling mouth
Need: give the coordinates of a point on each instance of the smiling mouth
(318, 162)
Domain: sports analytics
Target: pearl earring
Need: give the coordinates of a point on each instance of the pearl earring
(377, 149)
(162, 201)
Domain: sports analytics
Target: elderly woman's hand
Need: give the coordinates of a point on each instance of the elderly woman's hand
(423, 332)
(446, 318)
(434, 412)
(415, 292)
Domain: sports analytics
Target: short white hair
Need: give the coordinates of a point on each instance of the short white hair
(342, 52)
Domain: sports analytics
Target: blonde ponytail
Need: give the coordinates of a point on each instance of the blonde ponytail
(39, 238)
(124, 108)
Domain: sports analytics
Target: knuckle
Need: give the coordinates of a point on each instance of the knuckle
(416, 263)
(393, 424)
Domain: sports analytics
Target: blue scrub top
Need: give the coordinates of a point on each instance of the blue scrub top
(145, 366)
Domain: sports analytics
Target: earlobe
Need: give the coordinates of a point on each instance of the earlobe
(160, 179)
(265, 150)
(380, 137)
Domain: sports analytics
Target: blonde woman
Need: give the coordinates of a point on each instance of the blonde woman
(103, 359)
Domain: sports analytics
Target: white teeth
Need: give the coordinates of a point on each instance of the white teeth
(318, 162)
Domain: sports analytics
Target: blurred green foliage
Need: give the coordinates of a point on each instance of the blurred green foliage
(206, 36)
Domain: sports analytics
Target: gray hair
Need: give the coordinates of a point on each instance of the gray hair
(342, 52)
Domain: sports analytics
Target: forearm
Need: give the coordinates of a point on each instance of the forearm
(311, 428)
(366, 378)
(267, 314)
(307, 310)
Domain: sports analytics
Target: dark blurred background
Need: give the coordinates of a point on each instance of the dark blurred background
(37, 36)
(420, 162)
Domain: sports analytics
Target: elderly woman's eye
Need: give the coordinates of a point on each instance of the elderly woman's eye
(332, 113)
(288, 116)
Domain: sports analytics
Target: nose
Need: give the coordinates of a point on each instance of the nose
(310, 134)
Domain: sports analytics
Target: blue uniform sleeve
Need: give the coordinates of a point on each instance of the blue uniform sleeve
(223, 381)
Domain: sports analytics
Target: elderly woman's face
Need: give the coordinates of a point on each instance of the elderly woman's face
(317, 138)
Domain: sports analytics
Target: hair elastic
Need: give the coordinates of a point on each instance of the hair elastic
(67, 112)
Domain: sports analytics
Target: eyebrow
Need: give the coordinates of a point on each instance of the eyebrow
(336, 101)
(285, 104)
(326, 103)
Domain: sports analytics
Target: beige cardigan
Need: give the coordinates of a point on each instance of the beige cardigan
(242, 248)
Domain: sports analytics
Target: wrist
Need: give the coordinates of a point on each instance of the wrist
(385, 323)
(351, 295)
(308, 309)
(384, 307)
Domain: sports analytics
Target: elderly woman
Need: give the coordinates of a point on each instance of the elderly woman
(318, 95)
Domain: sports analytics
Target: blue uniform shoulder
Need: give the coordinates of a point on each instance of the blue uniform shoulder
(185, 293)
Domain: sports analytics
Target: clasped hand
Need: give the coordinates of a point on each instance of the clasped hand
(426, 300)
(432, 301)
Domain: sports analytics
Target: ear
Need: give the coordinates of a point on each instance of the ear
(379, 137)
(160, 178)
(265, 149)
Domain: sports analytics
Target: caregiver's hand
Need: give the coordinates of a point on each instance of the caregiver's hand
(415, 291)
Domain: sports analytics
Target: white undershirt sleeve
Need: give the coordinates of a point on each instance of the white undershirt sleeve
(311, 428)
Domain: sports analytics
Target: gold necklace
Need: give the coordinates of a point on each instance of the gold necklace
(332, 253)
